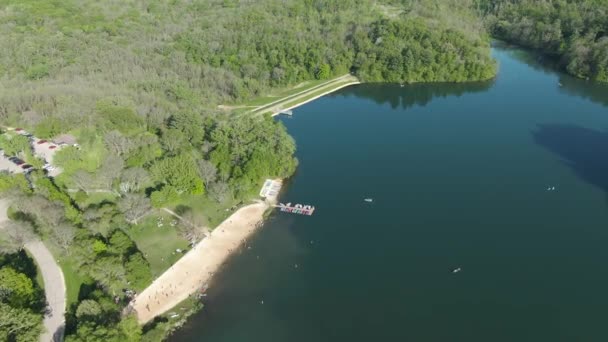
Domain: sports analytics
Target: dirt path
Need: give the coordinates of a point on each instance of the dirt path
(54, 289)
(198, 266)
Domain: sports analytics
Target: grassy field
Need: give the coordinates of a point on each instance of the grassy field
(73, 280)
(318, 92)
(214, 213)
(280, 93)
(305, 97)
(158, 244)
(98, 197)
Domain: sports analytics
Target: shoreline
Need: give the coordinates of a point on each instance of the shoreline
(193, 272)
(196, 268)
(275, 113)
(270, 105)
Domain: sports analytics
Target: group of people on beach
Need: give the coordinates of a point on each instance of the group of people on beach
(167, 291)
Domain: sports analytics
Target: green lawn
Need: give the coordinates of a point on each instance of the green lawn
(280, 93)
(259, 101)
(213, 212)
(158, 244)
(73, 280)
(98, 197)
(317, 92)
(300, 87)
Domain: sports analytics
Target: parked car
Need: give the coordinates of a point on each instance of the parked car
(26, 166)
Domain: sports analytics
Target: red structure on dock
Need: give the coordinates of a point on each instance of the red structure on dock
(296, 209)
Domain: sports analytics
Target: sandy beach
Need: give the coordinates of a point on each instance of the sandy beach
(198, 266)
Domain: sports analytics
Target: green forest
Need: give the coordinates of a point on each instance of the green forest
(575, 32)
(135, 87)
(21, 298)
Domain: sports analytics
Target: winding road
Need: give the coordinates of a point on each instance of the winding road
(54, 289)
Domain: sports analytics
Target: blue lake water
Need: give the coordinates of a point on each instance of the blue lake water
(459, 177)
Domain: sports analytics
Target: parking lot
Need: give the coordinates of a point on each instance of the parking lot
(41, 148)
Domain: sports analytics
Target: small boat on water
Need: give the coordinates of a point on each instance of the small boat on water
(456, 270)
(369, 200)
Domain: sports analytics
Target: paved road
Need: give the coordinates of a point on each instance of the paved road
(54, 288)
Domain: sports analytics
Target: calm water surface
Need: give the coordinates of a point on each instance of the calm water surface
(458, 174)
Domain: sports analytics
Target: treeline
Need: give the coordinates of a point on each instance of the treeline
(138, 171)
(409, 51)
(61, 57)
(573, 31)
(137, 84)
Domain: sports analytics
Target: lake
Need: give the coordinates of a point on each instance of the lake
(459, 175)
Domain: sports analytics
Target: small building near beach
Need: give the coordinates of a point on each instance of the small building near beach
(270, 189)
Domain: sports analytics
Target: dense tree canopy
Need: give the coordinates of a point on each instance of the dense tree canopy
(19, 325)
(16, 288)
(138, 83)
(84, 61)
(21, 299)
(574, 31)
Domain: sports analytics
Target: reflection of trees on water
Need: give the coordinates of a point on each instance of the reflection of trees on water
(584, 150)
(594, 91)
(532, 58)
(409, 95)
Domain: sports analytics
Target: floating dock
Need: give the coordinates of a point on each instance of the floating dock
(300, 209)
(270, 191)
